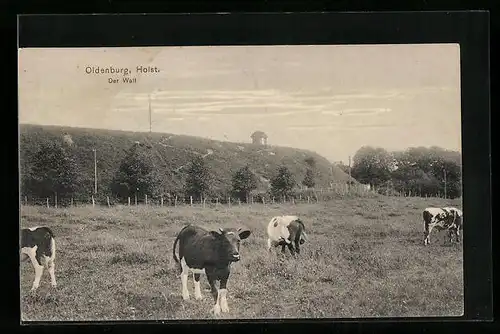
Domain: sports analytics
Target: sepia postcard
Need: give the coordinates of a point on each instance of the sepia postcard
(240, 182)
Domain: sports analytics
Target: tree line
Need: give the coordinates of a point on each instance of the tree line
(53, 170)
(419, 171)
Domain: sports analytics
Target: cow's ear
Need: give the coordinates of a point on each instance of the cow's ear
(244, 234)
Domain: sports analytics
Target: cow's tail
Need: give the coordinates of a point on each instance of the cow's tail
(176, 259)
(304, 234)
(49, 236)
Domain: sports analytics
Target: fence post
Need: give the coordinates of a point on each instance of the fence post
(273, 199)
(71, 201)
(308, 199)
(107, 200)
(293, 201)
(129, 201)
(300, 197)
(217, 202)
(175, 201)
(146, 199)
(204, 199)
(55, 200)
(263, 200)
(161, 199)
(136, 199)
(93, 201)
(239, 201)
(229, 201)
(191, 200)
(25, 200)
(48, 203)
(284, 199)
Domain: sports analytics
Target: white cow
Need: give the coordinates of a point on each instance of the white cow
(286, 231)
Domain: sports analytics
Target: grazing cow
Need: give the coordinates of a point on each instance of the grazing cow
(210, 253)
(38, 244)
(448, 218)
(286, 231)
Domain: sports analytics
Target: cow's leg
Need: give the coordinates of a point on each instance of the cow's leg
(38, 270)
(297, 246)
(269, 244)
(292, 250)
(184, 279)
(427, 233)
(52, 272)
(454, 234)
(450, 235)
(223, 292)
(211, 277)
(283, 248)
(50, 264)
(197, 289)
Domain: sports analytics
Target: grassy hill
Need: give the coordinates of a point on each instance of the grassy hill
(173, 153)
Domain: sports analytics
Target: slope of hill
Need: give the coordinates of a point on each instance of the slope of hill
(173, 153)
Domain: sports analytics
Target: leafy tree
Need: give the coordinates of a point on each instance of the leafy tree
(243, 182)
(372, 165)
(283, 182)
(137, 174)
(309, 179)
(422, 171)
(199, 179)
(53, 171)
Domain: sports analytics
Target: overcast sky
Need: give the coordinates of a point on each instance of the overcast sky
(329, 99)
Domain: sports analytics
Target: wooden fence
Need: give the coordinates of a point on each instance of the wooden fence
(300, 196)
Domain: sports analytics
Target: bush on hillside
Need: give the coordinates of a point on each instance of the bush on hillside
(283, 183)
(137, 175)
(243, 182)
(199, 179)
(309, 179)
(53, 170)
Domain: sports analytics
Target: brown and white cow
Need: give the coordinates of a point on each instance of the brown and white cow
(286, 231)
(38, 245)
(447, 218)
(211, 253)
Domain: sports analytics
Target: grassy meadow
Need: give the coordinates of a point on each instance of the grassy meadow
(365, 258)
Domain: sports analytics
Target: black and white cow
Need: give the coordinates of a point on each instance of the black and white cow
(286, 231)
(38, 244)
(447, 218)
(210, 253)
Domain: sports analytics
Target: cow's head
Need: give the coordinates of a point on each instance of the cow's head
(228, 242)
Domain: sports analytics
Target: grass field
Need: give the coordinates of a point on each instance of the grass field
(365, 258)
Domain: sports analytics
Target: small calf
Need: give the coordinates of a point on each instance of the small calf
(448, 218)
(286, 231)
(38, 244)
(210, 253)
